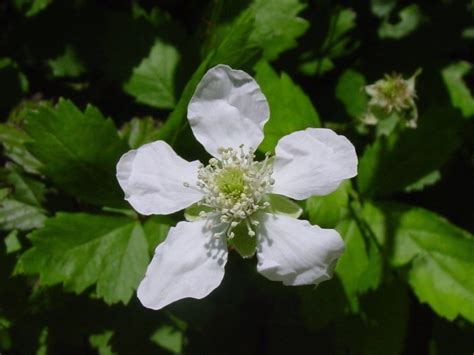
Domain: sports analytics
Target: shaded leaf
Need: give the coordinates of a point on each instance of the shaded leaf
(401, 159)
(68, 64)
(101, 342)
(410, 18)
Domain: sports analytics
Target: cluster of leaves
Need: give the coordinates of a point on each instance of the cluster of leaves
(72, 252)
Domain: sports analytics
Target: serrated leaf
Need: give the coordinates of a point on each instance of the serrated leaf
(156, 229)
(290, 109)
(401, 159)
(277, 25)
(327, 211)
(12, 244)
(461, 96)
(21, 208)
(79, 151)
(68, 64)
(153, 80)
(427, 180)
(250, 35)
(139, 131)
(13, 140)
(337, 43)
(439, 256)
(80, 250)
(18, 215)
(170, 338)
(349, 91)
(26, 189)
(101, 342)
(410, 18)
(360, 268)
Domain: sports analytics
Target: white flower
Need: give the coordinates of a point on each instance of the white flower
(227, 114)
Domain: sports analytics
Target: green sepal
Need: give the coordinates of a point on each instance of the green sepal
(283, 205)
(242, 242)
(192, 212)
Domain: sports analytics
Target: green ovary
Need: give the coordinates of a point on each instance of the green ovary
(231, 183)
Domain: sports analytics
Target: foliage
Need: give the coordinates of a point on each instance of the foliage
(82, 82)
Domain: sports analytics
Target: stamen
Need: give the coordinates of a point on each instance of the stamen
(234, 187)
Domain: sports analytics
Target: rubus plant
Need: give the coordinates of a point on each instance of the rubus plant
(318, 164)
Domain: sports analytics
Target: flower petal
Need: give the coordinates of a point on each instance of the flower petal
(189, 263)
(153, 178)
(295, 252)
(228, 109)
(312, 162)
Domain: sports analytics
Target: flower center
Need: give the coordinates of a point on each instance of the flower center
(230, 181)
(234, 187)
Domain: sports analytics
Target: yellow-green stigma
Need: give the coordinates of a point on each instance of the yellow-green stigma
(230, 181)
(234, 187)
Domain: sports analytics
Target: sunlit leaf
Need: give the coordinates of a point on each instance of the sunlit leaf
(80, 250)
(153, 81)
(290, 109)
(461, 96)
(79, 150)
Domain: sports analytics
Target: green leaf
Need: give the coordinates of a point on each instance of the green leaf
(410, 18)
(170, 338)
(192, 212)
(399, 160)
(13, 140)
(439, 256)
(12, 244)
(290, 109)
(26, 189)
(461, 96)
(250, 36)
(32, 7)
(350, 91)
(68, 64)
(327, 211)
(283, 205)
(337, 43)
(12, 82)
(139, 131)
(382, 8)
(79, 151)
(156, 229)
(101, 342)
(360, 268)
(177, 121)
(80, 250)
(153, 80)
(277, 25)
(427, 180)
(382, 327)
(21, 209)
